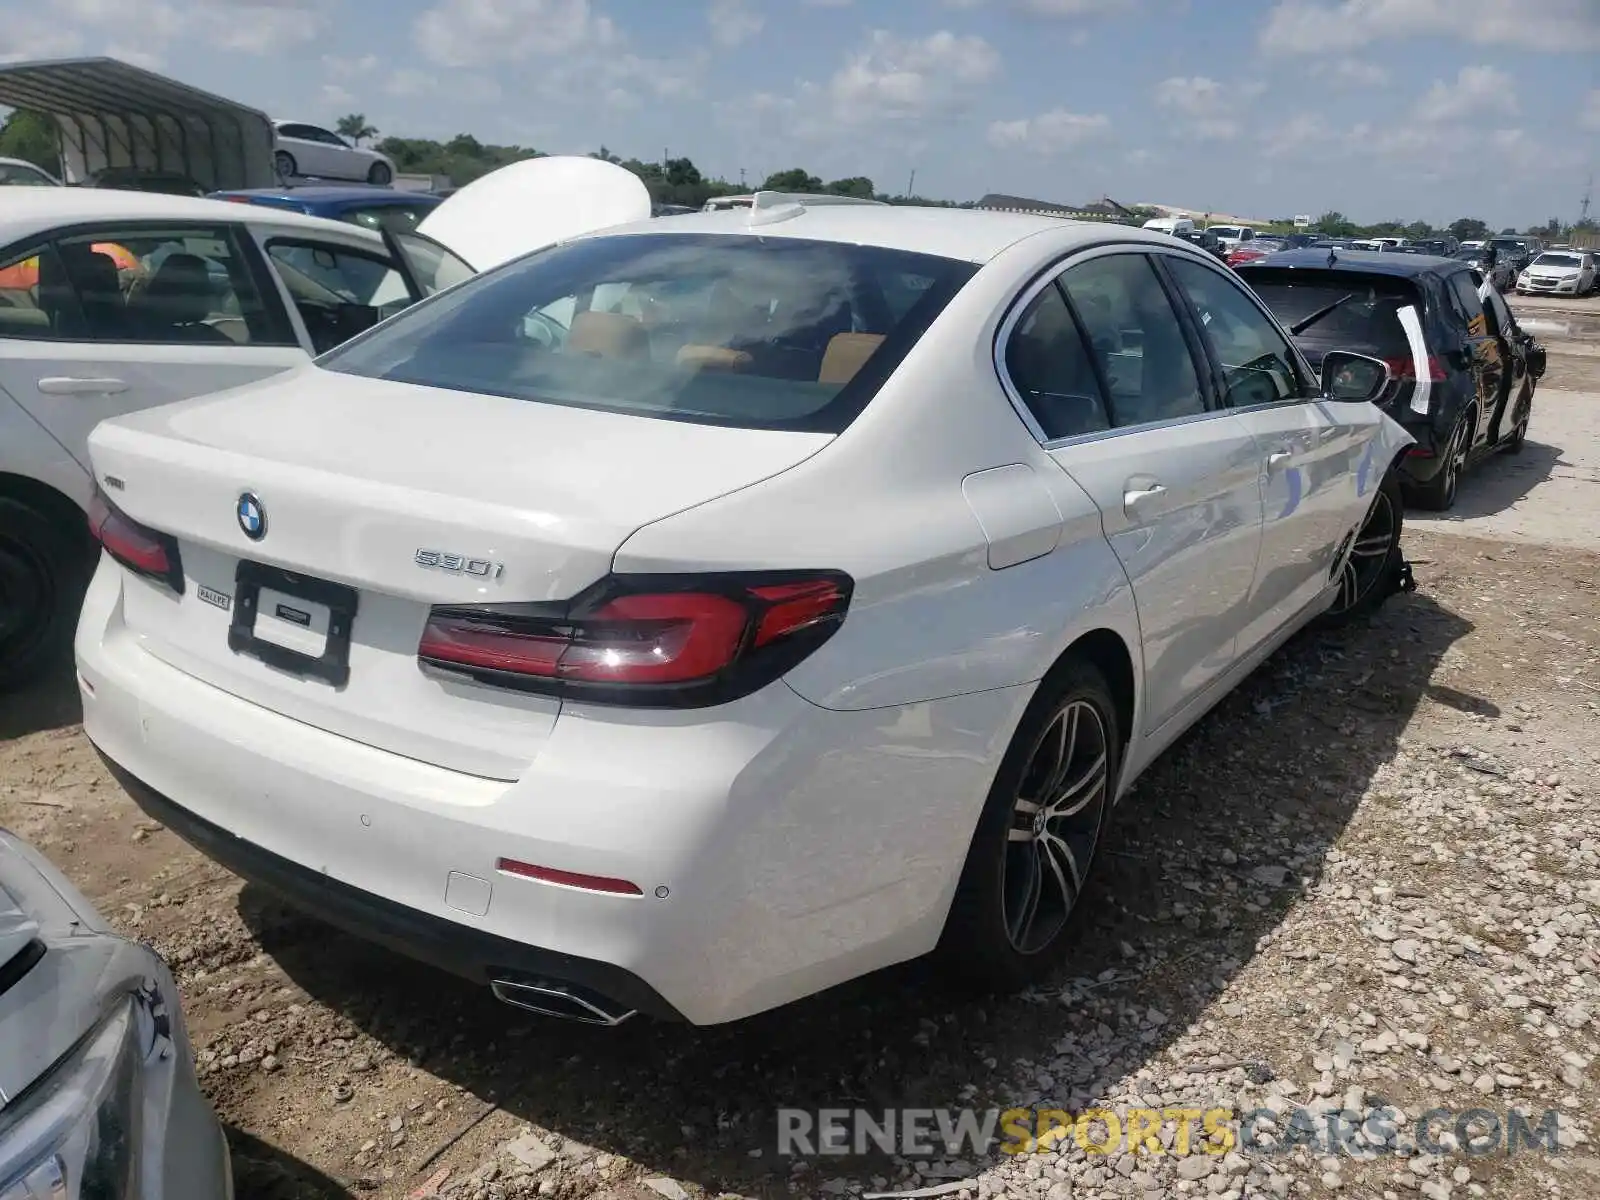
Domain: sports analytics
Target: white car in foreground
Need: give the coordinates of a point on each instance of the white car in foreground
(697, 614)
(310, 150)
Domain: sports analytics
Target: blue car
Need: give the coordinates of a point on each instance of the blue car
(372, 207)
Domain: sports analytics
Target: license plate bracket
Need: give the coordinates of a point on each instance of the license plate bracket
(332, 666)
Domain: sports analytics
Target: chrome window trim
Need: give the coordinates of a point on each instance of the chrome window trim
(1045, 278)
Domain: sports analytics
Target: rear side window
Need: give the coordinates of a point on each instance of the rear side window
(748, 331)
(1358, 312)
(1049, 365)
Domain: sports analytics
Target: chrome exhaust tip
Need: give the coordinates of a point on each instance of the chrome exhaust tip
(561, 1000)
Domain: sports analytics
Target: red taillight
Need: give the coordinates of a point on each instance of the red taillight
(645, 640)
(135, 546)
(1404, 369)
(589, 883)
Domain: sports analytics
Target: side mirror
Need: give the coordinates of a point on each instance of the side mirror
(1353, 377)
(1536, 362)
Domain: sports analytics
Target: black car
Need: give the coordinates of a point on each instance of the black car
(1491, 266)
(1463, 372)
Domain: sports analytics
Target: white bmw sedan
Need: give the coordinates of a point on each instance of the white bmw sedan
(694, 615)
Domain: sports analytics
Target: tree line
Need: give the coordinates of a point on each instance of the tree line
(463, 158)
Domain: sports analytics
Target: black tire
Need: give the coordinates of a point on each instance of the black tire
(1439, 493)
(1372, 568)
(380, 175)
(1519, 431)
(980, 948)
(285, 165)
(44, 568)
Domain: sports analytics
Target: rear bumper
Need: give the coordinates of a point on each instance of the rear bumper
(779, 848)
(470, 953)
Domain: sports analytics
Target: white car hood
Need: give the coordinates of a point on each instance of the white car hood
(526, 206)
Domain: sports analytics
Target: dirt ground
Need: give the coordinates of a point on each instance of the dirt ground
(1370, 875)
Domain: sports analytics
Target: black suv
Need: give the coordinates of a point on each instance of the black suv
(1463, 373)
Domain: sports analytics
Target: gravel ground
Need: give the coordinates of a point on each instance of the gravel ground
(1368, 879)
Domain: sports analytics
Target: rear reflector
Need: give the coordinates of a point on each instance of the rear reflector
(137, 547)
(660, 640)
(589, 883)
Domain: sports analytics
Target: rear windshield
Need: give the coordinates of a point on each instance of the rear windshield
(748, 331)
(1366, 319)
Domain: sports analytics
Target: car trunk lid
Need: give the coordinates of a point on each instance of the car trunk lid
(528, 205)
(390, 498)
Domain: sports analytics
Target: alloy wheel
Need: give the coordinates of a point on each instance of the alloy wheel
(1455, 462)
(1368, 558)
(1055, 823)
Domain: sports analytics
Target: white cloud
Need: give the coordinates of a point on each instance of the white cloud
(1352, 72)
(466, 87)
(464, 33)
(1323, 26)
(1589, 118)
(332, 64)
(1475, 90)
(1073, 8)
(24, 36)
(1207, 109)
(84, 26)
(1051, 132)
(334, 96)
(909, 79)
(732, 22)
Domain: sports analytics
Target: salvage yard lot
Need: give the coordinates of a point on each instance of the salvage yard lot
(1369, 877)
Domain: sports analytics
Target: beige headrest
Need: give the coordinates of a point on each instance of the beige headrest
(846, 354)
(713, 358)
(607, 335)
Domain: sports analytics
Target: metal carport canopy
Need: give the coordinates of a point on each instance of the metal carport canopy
(113, 114)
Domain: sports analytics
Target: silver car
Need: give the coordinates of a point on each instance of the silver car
(97, 1087)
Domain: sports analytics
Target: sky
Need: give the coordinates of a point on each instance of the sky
(1381, 109)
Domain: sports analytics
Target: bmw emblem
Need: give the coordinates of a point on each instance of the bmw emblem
(252, 517)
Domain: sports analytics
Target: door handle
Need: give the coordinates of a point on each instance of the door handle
(71, 385)
(1133, 497)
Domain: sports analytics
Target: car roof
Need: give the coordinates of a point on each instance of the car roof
(972, 235)
(1407, 266)
(22, 215)
(332, 195)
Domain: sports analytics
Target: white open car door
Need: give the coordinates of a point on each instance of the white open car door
(526, 206)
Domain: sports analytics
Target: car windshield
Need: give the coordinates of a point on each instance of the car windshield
(1224, 230)
(743, 330)
(1558, 260)
(1468, 255)
(1508, 244)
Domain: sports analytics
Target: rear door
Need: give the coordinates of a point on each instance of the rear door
(1312, 451)
(1476, 348)
(1101, 361)
(128, 316)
